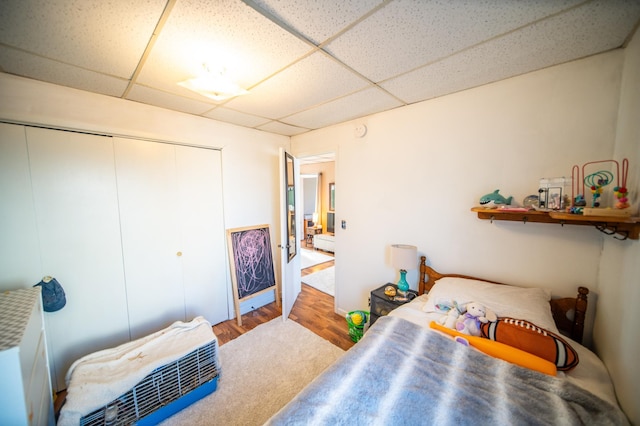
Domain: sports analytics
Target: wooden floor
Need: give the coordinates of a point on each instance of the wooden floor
(313, 309)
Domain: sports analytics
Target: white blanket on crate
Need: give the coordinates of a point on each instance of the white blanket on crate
(98, 378)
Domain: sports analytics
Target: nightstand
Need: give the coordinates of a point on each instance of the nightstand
(381, 304)
(311, 231)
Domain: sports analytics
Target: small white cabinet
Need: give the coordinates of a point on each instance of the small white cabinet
(25, 386)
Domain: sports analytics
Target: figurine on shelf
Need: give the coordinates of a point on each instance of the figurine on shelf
(494, 199)
(579, 203)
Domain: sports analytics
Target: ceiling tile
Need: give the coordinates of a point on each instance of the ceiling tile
(109, 37)
(282, 129)
(318, 20)
(314, 80)
(224, 33)
(408, 34)
(150, 96)
(236, 117)
(38, 68)
(412, 49)
(320, 158)
(365, 102)
(581, 32)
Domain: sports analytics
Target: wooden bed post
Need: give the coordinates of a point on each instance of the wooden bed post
(580, 311)
(423, 267)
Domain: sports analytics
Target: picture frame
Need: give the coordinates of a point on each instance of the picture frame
(332, 196)
(554, 198)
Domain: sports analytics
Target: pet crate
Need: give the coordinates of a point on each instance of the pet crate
(163, 392)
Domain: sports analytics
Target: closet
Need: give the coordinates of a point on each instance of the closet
(132, 229)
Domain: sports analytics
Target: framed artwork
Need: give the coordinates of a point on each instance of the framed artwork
(332, 196)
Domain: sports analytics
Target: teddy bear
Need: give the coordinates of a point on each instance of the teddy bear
(476, 313)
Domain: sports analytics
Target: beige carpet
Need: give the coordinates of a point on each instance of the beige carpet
(260, 372)
(312, 258)
(324, 280)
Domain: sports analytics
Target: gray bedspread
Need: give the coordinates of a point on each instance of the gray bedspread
(402, 374)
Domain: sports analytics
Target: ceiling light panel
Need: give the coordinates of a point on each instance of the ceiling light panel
(359, 104)
(407, 34)
(317, 20)
(225, 34)
(109, 37)
(311, 81)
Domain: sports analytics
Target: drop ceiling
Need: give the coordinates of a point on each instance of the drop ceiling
(307, 64)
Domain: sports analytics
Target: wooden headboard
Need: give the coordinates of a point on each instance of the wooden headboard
(568, 312)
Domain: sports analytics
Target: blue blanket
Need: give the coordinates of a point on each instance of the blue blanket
(403, 374)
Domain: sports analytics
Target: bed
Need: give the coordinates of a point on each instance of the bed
(404, 372)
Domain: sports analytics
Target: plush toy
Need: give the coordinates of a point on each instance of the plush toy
(476, 313)
(452, 311)
(450, 319)
(494, 199)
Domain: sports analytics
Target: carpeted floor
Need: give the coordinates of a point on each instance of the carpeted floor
(312, 257)
(260, 372)
(324, 280)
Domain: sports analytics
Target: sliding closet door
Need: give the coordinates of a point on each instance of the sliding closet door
(19, 249)
(172, 233)
(149, 221)
(202, 233)
(74, 191)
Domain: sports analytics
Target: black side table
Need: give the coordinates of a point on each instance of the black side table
(381, 304)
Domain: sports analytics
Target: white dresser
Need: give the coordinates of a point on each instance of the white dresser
(25, 386)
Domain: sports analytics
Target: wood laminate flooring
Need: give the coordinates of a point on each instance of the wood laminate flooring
(313, 309)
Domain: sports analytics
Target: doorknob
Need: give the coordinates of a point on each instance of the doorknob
(179, 254)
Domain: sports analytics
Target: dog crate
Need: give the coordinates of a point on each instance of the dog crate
(165, 391)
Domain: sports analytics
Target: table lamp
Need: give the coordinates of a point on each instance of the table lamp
(403, 257)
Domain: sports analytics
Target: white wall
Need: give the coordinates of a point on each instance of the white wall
(414, 176)
(249, 157)
(616, 334)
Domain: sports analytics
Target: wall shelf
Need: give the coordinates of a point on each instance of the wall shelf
(620, 228)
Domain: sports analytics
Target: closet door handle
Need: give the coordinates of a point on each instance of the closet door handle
(179, 254)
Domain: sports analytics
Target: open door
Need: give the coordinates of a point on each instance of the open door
(289, 232)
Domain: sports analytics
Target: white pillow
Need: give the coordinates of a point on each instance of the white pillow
(531, 304)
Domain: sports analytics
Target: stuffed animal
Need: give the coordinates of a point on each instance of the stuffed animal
(452, 311)
(450, 319)
(476, 313)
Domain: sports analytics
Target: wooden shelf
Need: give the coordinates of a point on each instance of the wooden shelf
(620, 227)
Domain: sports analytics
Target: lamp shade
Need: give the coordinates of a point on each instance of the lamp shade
(404, 256)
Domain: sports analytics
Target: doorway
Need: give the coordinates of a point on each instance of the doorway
(318, 258)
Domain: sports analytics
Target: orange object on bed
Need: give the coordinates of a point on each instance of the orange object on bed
(530, 338)
(503, 351)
